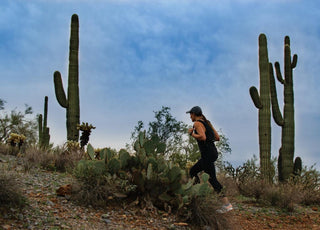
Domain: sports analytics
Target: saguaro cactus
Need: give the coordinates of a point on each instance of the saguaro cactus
(262, 102)
(44, 136)
(72, 102)
(286, 152)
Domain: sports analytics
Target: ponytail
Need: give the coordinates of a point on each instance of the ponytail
(216, 135)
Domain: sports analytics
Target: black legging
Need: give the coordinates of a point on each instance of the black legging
(207, 167)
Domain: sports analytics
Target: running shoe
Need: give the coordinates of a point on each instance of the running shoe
(225, 208)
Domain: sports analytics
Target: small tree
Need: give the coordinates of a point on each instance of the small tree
(2, 104)
(165, 129)
(17, 122)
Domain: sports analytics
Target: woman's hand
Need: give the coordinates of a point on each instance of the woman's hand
(190, 131)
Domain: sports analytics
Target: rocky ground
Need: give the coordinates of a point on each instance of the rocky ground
(46, 210)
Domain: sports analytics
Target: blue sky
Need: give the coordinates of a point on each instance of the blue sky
(136, 56)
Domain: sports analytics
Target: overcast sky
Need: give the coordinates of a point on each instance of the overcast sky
(136, 56)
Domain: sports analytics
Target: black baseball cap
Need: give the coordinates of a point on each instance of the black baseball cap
(195, 110)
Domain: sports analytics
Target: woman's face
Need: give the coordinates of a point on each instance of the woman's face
(192, 117)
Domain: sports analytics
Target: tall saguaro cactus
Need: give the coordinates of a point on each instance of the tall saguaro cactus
(286, 152)
(262, 102)
(72, 102)
(44, 136)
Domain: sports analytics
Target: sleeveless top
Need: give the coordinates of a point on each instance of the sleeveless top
(207, 148)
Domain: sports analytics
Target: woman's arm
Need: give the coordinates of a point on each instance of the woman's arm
(216, 135)
(201, 131)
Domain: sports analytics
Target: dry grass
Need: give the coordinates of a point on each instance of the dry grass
(299, 190)
(203, 214)
(229, 185)
(10, 194)
(60, 158)
(66, 159)
(4, 149)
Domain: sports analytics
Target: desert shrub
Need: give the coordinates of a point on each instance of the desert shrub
(91, 186)
(66, 157)
(39, 157)
(10, 194)
(201, 214)
(36, 157)
(285, 196)
(299, 189)
(96, 186)
(308, 184)
(229, 185)
(59, 158)
(303, 189)
(248, 180)
(4, 149)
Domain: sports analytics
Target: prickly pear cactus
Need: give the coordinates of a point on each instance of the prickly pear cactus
(91, 152)
(124, 158)
(152, 177)
(162, 179)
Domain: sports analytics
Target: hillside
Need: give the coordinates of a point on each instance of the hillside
(45, 210)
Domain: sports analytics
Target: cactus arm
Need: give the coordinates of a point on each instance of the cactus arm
(274, 100)
(255, 97)
(294, 61)
(297, 166)
(278, 72)
(58, 86)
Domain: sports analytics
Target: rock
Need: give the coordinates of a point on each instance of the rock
(6, 227)
(272, 225)
(120, 195)
(105, 216)
(107, 221)
(63, 226)
(50, 203)
(64, 190)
